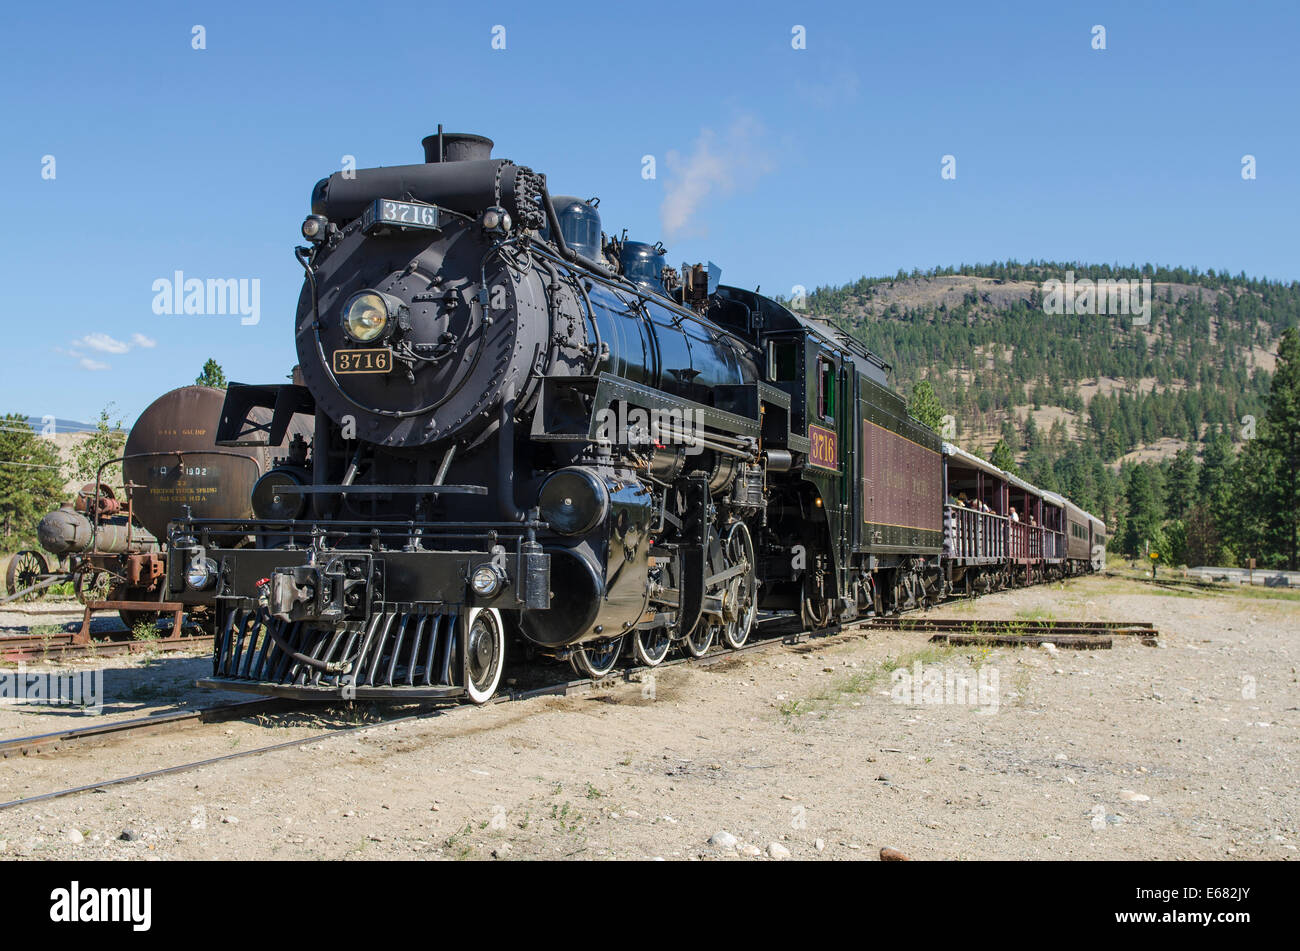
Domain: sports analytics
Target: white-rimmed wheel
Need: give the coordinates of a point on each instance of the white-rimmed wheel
(698, 642)
(485, 653)
(598, 659)
(740, 592)
(652, 645)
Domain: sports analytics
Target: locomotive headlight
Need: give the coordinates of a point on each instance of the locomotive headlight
(315, 227)
(487, 580)
(365, 318)
(497, 220)
(200, 573)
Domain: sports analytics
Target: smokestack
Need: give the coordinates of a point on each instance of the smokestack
(456, 147)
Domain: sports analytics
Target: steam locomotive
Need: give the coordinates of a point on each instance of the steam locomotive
(526, 433)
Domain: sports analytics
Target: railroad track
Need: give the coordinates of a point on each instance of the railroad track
(769, 633)
(778, 632)
(150, 725)
(63, 645)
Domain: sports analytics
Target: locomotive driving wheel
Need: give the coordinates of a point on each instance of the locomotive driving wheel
(698, 642)
(25, 570)
(598, 659)
(651, 646)
(740, 591)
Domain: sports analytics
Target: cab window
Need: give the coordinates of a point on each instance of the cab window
(826, 388)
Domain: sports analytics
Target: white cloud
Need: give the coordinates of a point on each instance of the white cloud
(717, 165)
(103, 343)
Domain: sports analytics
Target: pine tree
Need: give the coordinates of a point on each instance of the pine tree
(30, 485)
(1214, 481)
(924, 405)
(1267, 496)
(1180, 488)
(1145, 515)
(212, 375)
(1202, 543)
(1003, 457)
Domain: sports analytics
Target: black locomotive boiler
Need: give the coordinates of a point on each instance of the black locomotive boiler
(528, 433)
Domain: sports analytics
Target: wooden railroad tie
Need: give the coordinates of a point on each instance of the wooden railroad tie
(1016, 632)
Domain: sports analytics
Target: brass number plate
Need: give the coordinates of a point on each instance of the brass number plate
(363, 361)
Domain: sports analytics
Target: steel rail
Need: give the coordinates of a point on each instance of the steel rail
(61, 644)
(147, 725)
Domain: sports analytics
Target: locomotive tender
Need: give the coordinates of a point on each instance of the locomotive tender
(527, 433)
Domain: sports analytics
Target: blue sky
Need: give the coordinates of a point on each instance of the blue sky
(785, 166)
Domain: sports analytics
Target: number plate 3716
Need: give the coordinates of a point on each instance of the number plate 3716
(379, 360)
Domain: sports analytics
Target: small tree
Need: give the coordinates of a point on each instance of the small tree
(212, 375)
(925, 406)
(103, 444)
(1003, 457)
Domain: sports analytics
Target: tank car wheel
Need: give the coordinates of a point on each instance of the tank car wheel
(596, 660)
(92, 585)
(740, 596)
(651, 646)
(25, 570)
(485, 653)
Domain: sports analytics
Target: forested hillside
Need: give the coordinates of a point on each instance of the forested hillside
(1110, 409)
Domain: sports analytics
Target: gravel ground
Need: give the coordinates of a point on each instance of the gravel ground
(1183, 751)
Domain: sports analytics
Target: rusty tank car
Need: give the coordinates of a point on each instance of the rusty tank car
(171, 466)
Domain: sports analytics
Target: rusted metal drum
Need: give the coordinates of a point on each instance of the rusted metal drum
(172, 460)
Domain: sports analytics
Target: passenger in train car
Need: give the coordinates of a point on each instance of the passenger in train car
(1014, 516)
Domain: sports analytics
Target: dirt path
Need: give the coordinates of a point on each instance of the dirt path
(1182, 751)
